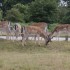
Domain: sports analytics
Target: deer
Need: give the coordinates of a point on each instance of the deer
(33, 30)
(42, 25)
(5, 27)
(17, 30)
(60, 27)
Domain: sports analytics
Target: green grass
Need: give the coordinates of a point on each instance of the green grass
(52, 26)
(54, 56)
(31, 47)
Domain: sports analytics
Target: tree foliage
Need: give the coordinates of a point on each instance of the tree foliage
(68, 2)
(66, 18)
(0, 14)
(65, 13)
(8, 4)
(14, 15)
(22, 10)
(43, 10)
(35, 10)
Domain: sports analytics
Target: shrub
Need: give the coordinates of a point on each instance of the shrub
(14, 15)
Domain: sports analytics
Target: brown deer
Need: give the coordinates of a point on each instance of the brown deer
(33, 30)
(42, 25)
(5, 28)
(61, 27)
(17, 30)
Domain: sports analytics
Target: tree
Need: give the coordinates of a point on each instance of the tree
(18, 8)
(43, 10)
(23, 9)
(14, 15)
(8, 4)
(64, 14)
(68, 2)
(66, 18)
(0, 14)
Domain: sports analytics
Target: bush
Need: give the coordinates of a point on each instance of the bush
(66, 18)
(43, 10)
(24, 9)
(0, 14)
(14, 15)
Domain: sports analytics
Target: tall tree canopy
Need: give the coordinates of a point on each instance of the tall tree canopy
(65, 12)
(8, 4)
(35, 10)
(68, 2)
(44, 10)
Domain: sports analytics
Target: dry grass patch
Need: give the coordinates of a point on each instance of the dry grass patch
(54, 56)
(40, 61)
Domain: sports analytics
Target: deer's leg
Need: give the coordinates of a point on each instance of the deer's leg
(23, 39)
(47, 40)
(13, 35)
(7, 35)
(58, 36)
(1, 32)
(16, 34)
(66, 37)
(27, 36)
(38, 39)
(35, 38)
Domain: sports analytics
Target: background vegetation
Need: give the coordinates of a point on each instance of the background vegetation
(50, 11)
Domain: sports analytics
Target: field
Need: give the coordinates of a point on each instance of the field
(14, 56)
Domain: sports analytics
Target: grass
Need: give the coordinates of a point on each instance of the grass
(54, 56)
(52, 26)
